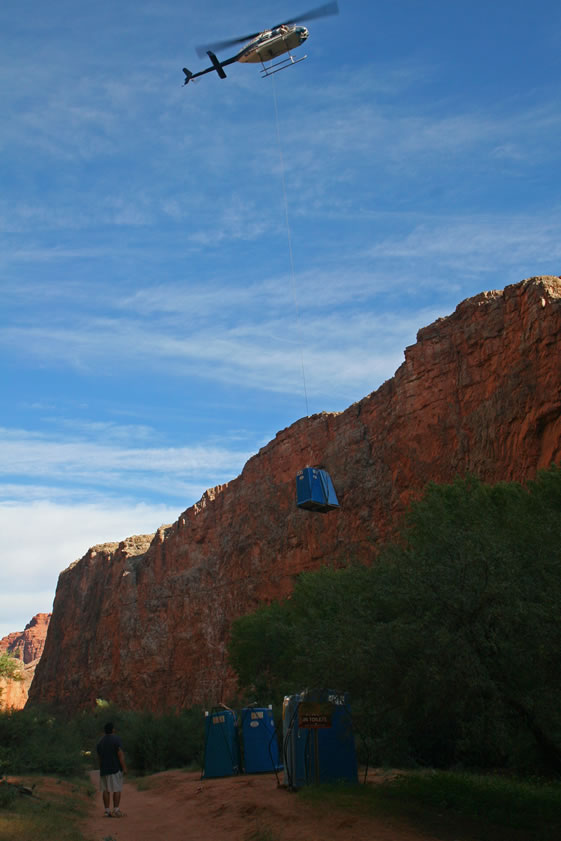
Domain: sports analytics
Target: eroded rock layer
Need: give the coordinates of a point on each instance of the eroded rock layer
(27, 646)
(144, 622)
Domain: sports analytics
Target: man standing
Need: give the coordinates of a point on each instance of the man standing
(112, 766)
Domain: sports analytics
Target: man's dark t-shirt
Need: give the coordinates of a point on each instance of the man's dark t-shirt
(108, 759)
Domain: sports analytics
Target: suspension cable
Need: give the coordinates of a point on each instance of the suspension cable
(289, 237)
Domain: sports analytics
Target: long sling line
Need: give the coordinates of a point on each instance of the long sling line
(292, 274)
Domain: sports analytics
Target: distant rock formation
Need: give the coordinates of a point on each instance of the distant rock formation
(27, 646)
(144, 623)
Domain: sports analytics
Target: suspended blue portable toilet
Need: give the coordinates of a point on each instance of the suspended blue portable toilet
(259, 738)
(318, 739)
(222, 750)
(315, 491)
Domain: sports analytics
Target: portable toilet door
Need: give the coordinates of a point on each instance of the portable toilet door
(293, 745)
(222, 752)
(259, 739)
(318, 743)
(336, 744)
(315, 491)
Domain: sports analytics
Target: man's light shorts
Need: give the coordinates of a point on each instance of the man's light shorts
(111, 782)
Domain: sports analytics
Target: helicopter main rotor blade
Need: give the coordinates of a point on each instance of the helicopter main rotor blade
(221, 45)
(318, 12)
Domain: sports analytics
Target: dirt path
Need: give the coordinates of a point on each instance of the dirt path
(178, 806)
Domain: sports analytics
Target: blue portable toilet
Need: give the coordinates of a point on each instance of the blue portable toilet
(336, 754)
(259, 738)
(315, 491)
(222, 750)
(318, 743)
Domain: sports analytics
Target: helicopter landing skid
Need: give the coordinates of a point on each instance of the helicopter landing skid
(280, 65)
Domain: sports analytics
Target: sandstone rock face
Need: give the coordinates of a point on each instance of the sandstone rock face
(144, 623)
(14, 693)
(27, 646)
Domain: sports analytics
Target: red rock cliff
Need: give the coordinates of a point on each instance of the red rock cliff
(27, 646)
(144, 622)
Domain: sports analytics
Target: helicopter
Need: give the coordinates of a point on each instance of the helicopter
(264, 46)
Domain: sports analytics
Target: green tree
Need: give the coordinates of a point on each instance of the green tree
(449, 643)
(480, 574)
(10, 669)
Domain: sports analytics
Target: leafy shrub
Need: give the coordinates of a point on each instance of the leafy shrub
(35, 741)
(8, 794)
(157, 742)
(152, 742)
(38, 741)
(10, 667)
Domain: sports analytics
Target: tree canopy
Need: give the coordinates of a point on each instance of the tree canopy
(10, 669)
(449, 643)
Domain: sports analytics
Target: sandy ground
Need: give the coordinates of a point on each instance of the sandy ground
(178, 806)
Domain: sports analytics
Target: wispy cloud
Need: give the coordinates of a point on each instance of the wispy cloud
(259, 354)
(35, 454)
(478, 243)
(41, 538)
(345, 139)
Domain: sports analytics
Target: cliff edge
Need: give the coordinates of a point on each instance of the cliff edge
(144, 622)
(27, 646)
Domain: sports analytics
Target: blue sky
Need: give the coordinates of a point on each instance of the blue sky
(152, 334)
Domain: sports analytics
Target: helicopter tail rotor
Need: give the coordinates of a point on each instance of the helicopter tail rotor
(216, 64)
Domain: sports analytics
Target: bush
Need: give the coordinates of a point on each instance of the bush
(151, 742)
(34, 741)
(38, 741)
(8, 794)
(10, 667)
(157, 742)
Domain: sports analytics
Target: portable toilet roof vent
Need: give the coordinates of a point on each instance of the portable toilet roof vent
(315, 491)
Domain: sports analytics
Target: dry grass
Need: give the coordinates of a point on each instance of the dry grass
(52, 814)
